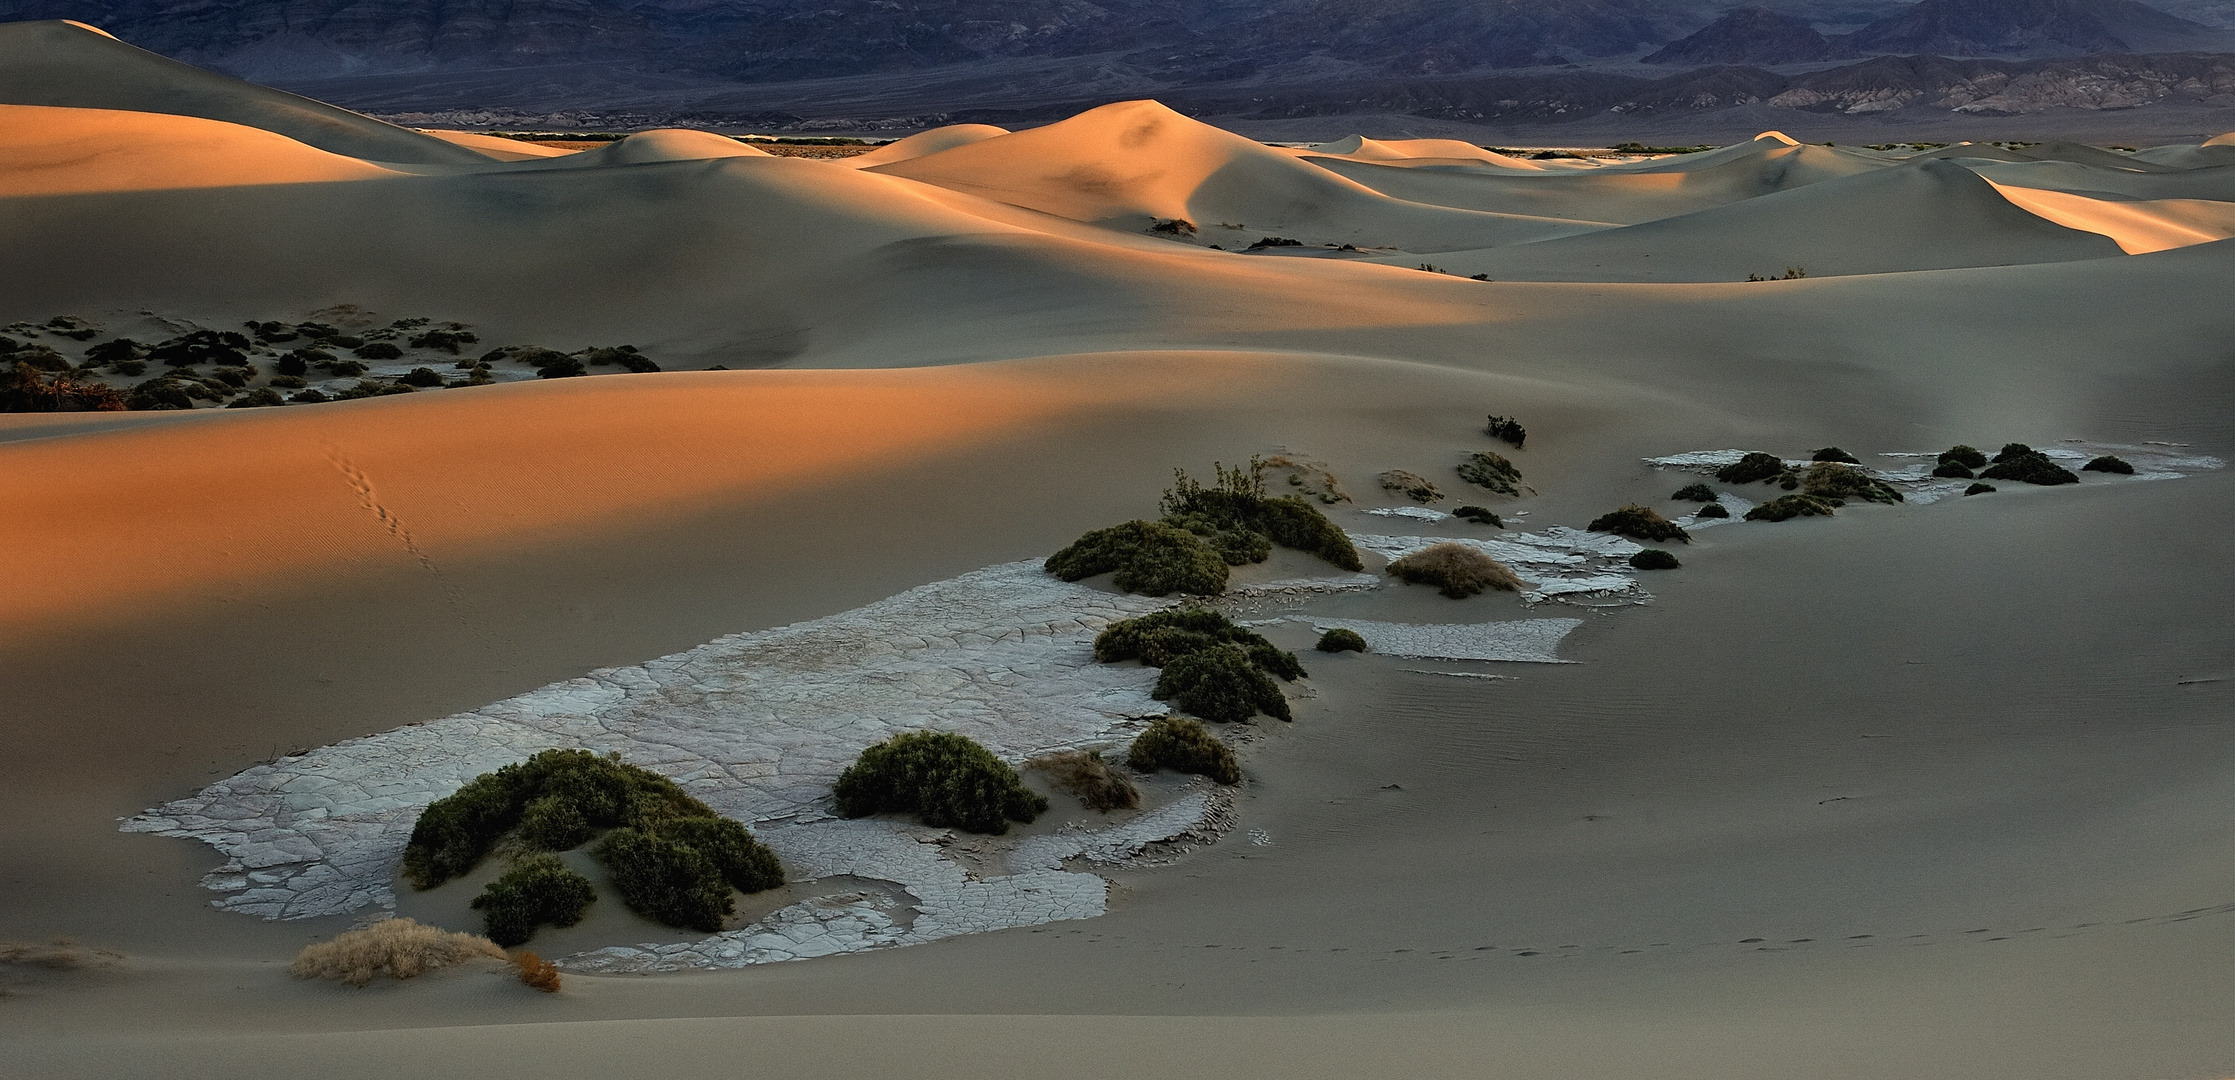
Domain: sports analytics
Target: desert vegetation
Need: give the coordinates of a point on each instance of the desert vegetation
(2022, 463)
(672, 858)
(1833, 453)
(1505, 428)
(1788, 507)
(1211, 667)
(1640, 523)
(1969, 457)
(1341, 640)
(1979, 489)
(1203, 531)
(1755, 466)
(1146, 557)
(1410, 485)
(1699, 493)
(537, 890)
(1492, 471)
(1456, 570)
(1479, 515)
(1712, 510)
(396, 948)
(945, 780)
(1832, 480)
(1654, 559)
(1183, 746)
(537, 972)
(2109, 463)
(1084, 774)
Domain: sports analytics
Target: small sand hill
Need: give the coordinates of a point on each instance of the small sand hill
(664, 144)
(52, 151)
(2074, 153)
(2205, 156)
(2137, 225)
(1927, 216)
(923, 143)
(2215, 183)
(1418, 151)
(500, 148)
(1127, 164)
(1611, 195)
(74, 66)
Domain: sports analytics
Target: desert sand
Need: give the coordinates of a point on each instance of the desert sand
(1935, 789)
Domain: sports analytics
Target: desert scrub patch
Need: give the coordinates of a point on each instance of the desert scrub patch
(1161, 637)
(1712, 510)
(1183, 746)
(1085, 775)
(377, 350)
(1832, 480)
(1148, 557)
(261, 397)
(1310, 477)
(538, 889)
(2109, 463)
(946, 780)
(1833, 453)
(397, 948)
(1654, 559)
(537, 972)
(665, 881)
(1492, 471)
(1479, 515)
(1410, 485)
(1222, 683)
(1969, 457)
(2028, 466)
(1341, 640)
(1979, 489)
(1752, 467)
(1952, 470)
(1456, 570)
(1505, 428)
(1236, 503)
(1699, 493)
(1788, 507)
(1640, 523)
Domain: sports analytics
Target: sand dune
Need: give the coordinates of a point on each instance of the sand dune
(2073, 153)
(1419, 151)
(924, 142)
(499, 148)
(55, 151)
(67, 65)
(2138, 225)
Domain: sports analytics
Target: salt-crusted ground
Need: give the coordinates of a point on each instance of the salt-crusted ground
(1557, 562)
(1914, 479)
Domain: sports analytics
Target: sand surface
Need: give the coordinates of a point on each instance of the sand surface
(1936, 789)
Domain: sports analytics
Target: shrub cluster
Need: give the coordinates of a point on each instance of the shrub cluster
(947, 780)
(1204, 530)
(665, 881)
(2022, 463)
(1978, 489)
(537, 972)
(538, 889)
(398, 948)
(1831, 480)
(1276, 241)
(1183, 746)
(1212, 668)
(1149, 557)
(1493, 471)
(1752, 467)
(1952, 470)
(1411, 485)
(2109, 463)
(1654, 559)
(1479, 515)
(1456, 570)
(1172, 227)
(1699, 493)
(1341, 640)
(1508, 429)
(1090, 778)
(1711, 510)
(1792, 506)
(1237, 503)
(1833, 453)
(1222, 683)
(1640, 523)
(1967, 456)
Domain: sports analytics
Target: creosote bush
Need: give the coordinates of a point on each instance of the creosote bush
(1091, 779)
(2028, 466)
(1793, 506)
(946, 780)
(1967, 456)
(1237, 503)
(1952, 470)
(1479, 515)
(1654, 559)
(1831, 480)
(1341, 640)
(1149, 557)
(1978, 489)
(666, 881)
(1699, 493)
(1456, 570)
(1158, 638)
(538, 889)
(1411, 485)
(1183, 746)
(1204, 530)
(398, 948)
(1712, 510)
(1833, 453)
(1221, 683)
(2109, 463)
(1640, 523)
(1493, 471)
(1505, 428)
(1752, 467)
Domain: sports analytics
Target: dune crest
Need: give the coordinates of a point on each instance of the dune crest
(924, 143)
(2138, 226)
(55, 151)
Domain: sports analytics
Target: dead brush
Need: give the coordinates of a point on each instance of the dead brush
(399, 948)
(1087, 776)
(538, 972)
(1457, 570)
(63, 955)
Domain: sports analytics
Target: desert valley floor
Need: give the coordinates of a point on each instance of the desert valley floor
(1934, 788)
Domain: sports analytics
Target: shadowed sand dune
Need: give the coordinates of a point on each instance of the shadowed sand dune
(499, 148)
(1921, 790)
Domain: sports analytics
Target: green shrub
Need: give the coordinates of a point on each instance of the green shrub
(1183, 746)
(422, 377)
(665, 881)
(1699, 493)
(538, 889)
(261, 397)
(1221, 683)
(945, 779)
(1978, 489)
(1793, 506)
(289, 382)
(345, 341)
(1754, 466)
(1150, 558)
(1238, 547)
(2013, 450)
(158, 394)
(1833, 453)
(742, 861)
(1493, 471)
(1508, 429)
(1640, 523)
(1293, 523)
(1966, 456)
(1161, 637)
(2109, 463)
(1456, 570)
(1088, 777)
(454, 833)
(1341, 640)
(344, 369)
(1654, 559)
(1238, 504)
(445, 340)
(1411, 485)
(1831, 480)
(309, 397)
(1952, 470)
(2031, 467)
(377, 350)
(1479, 515)
(1711, 510)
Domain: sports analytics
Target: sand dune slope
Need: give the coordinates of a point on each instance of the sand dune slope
(1413, 151)
(2071, 152)
(924, 142)
(54, 151)
(1932, 215)
(65, 64)
(2208, 182)
(2137, 225)
(499, 148)
(1128, 164)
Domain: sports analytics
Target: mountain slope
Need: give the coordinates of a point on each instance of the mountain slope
(1752, 35)
(2031, 28)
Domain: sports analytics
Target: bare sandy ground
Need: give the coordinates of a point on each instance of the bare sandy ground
(1912, 791)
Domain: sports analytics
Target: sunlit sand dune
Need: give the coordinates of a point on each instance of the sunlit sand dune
(499, 148)
(52, 151)
(2139, 225)
(924, 142)
(1418, 152)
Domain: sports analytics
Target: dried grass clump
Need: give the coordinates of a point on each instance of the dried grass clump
(63, 955)
(1087, 776)
(538, 972)
(1832, 480)
(1493, 471)
(1411, 485)
(1457, 570)
(1640, 523)
(1183, 746)
(398, 948)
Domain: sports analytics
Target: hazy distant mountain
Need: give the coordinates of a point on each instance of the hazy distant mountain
(2032, 28)
(1752, 35)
